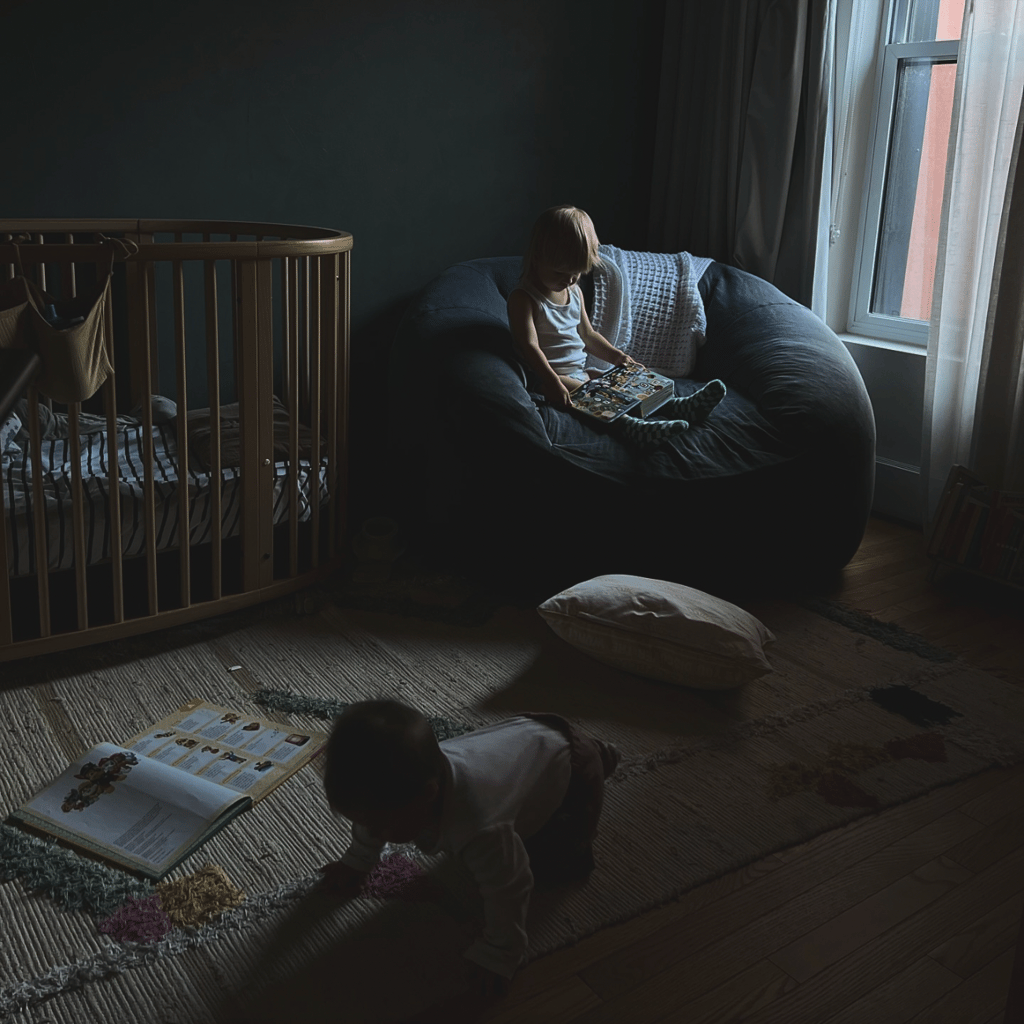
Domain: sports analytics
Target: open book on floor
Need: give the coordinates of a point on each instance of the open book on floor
(632, 389)
(149, 804)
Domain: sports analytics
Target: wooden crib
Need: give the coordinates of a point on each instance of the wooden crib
(208, 471)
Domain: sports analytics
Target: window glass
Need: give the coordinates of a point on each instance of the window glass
(925, 21)
(912, 198)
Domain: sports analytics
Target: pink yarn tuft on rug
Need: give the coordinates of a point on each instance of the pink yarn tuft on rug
(138, 921)
(397, 877)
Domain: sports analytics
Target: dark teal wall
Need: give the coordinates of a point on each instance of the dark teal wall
(434, 132)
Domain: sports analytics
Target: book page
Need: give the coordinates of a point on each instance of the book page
(619, 390)
(130, 804)
(247, 754)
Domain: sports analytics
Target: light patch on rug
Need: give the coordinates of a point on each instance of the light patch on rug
(703, 789)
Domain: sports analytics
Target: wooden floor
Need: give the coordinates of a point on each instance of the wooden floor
(908, 917)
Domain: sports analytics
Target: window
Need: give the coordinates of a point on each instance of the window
(897, 243)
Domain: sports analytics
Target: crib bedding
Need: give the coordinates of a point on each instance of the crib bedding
(56, 466)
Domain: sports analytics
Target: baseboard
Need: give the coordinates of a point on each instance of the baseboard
(898, 491)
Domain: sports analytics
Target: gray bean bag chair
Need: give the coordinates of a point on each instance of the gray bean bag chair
(772, 491)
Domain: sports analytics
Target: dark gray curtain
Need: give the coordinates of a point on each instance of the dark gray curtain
(742, 134)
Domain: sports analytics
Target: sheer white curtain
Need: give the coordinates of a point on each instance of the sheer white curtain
(973, 384)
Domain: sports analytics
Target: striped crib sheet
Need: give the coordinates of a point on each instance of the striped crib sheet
(18, 498)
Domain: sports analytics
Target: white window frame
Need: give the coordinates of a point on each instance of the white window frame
(861, 321)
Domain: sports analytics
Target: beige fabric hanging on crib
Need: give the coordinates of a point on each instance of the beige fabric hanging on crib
(15, 331)
(75, 361)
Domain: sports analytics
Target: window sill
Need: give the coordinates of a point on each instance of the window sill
(892, 346)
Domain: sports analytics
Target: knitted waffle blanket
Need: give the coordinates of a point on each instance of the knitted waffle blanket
(648, 305)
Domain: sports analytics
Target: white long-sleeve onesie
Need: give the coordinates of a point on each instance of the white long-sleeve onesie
(503, 782)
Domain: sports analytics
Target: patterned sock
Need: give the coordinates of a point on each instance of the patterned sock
(649, 433)
(695, 407)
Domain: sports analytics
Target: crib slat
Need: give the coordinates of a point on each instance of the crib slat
(140, 279)
(340, 424)
(6, 624)
(41, 269)
(304, 341)
(68, 289)
(113, 472)
(290, 272)
(152, 332)
(67, 275)
(236, 350)
(255, 384)
(248, 387)
(265, 401)
(144, 342)
(181, 390)
(213, 401)
(315, 323)
(303, 337)
(286, 362)
(113, 481)
(77, 516)
(329, 386)
(39, 515)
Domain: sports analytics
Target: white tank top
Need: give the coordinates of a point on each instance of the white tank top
(557, 331)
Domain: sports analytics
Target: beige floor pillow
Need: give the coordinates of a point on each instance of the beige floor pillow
(666, 631)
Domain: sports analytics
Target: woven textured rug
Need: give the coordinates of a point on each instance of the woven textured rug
(846, 725)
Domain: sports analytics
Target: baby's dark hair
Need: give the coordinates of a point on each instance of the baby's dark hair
(381, 755)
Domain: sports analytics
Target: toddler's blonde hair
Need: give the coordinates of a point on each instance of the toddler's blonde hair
(563, 238)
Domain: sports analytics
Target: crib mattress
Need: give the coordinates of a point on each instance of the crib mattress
(56, 471)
